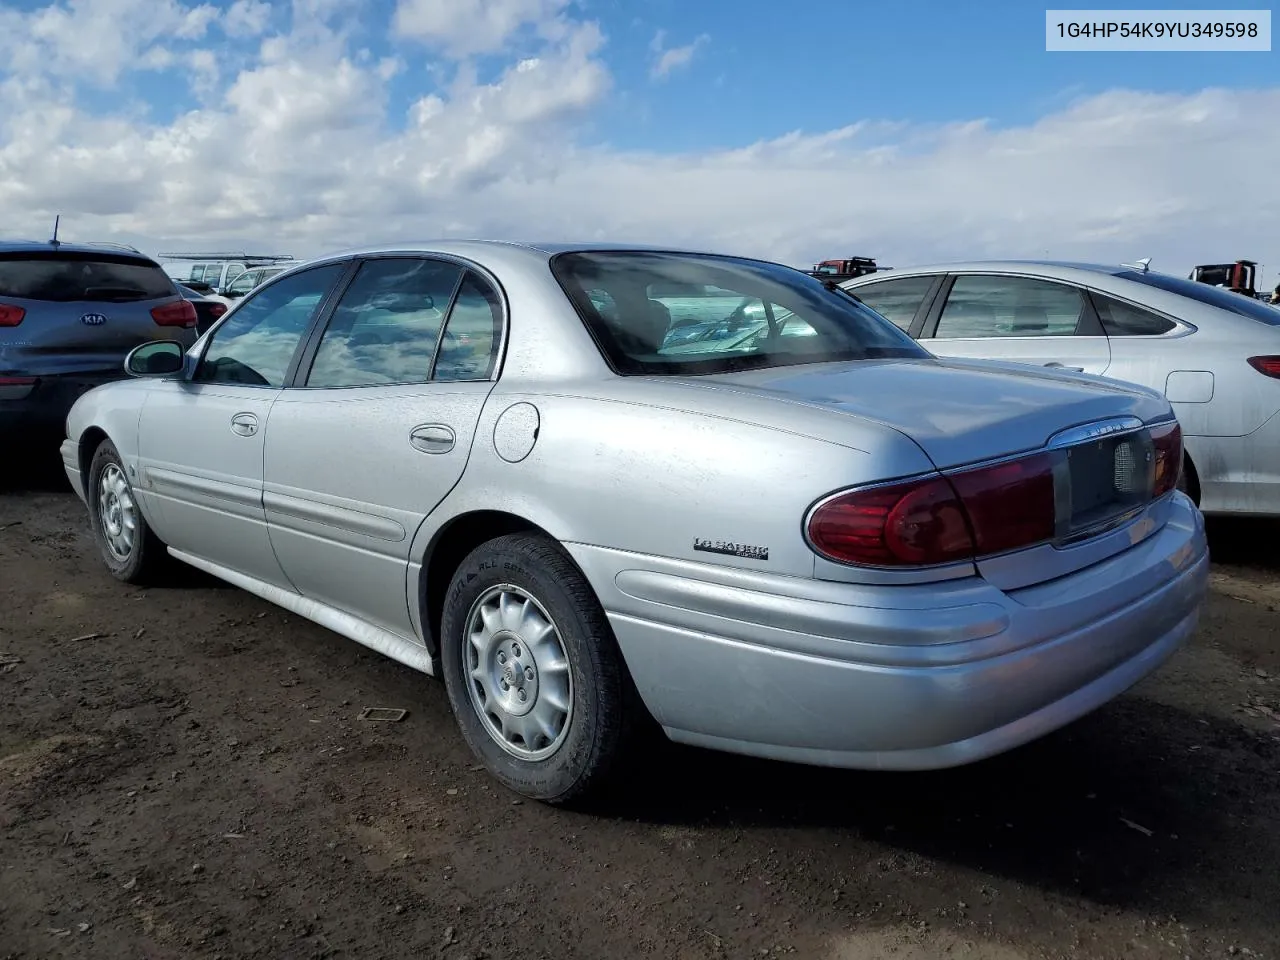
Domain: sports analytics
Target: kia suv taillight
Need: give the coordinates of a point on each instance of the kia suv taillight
(179, 314)
(1058, 495)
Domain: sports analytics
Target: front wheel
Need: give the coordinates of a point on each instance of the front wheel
(533, 671)
(129, 549)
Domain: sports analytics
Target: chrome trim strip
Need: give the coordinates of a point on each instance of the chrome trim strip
(411, 653)
(1096, 430)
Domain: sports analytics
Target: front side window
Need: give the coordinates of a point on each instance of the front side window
(256, 343)
(385, 328)
(998, 306)
(897, 300)
(674, 313)
(233, 270)
(72, 278)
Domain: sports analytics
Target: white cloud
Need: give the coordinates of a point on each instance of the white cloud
(246, 18)
(301, 149)
(467, 27)
(95, 40)
(666, 60)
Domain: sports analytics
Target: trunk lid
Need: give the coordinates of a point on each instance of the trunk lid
(962, 412)
(958, 411)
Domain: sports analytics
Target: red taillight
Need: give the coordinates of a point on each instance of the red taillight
(917, 522)
(217, 309)
(1267, 366)
(17, 381)
(1009, 504)
(1167, 440)
(10, 315)
(179, 314)
(940, 519)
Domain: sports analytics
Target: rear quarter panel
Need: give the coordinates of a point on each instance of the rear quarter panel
(643, 478)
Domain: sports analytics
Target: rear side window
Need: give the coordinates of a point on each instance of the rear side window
(72, 278)
(1212, 296)
(387, 324)
(897, 300)
(472, 334)
(1000, 306)
(1121, 319)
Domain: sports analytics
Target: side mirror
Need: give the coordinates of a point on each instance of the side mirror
(159, 358)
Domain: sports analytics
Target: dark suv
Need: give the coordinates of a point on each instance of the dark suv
(69, 313)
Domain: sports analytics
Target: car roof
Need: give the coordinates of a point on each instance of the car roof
(1058, 267)
(45, 246)
(488, 249)
(1123, 280)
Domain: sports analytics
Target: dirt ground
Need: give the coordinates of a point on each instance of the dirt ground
(183, 774)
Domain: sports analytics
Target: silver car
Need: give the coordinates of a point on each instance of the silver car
(481, 460)
(1213, 353)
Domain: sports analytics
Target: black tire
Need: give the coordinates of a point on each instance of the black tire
(603, 698)
(147, 557)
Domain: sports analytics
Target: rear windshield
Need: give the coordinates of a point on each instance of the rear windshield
(675, 313)
(1213, 296)
(67, 277)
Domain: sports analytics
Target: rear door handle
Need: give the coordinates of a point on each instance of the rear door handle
(1063, 366)
(245, 424)
(432, 438)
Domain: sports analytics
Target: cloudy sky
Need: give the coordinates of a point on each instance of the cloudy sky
(907, 131)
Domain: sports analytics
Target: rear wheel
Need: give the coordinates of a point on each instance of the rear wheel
(129, 549)
(533, 672)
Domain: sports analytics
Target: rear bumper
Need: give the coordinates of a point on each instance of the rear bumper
(903, 677)
(43, 407)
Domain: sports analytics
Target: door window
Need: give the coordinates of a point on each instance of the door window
(385, 328)
(471, 334)
(244, 283)
(256, 343)
(1121, 319)
(233, 270)
(989, 306)
(896, 300)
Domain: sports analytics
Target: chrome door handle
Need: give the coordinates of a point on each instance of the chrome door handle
(245, 424)
(1063, 366)
(432, 438)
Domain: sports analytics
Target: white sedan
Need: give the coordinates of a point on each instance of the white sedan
(1214, 354)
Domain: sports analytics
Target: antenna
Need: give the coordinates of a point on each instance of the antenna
(54, 240)
(1144, 264)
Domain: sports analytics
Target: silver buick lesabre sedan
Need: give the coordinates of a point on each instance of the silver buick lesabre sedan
(494, 463)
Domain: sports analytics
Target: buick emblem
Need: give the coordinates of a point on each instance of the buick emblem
(93, 319)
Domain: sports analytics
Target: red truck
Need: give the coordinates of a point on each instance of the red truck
(846, 269)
